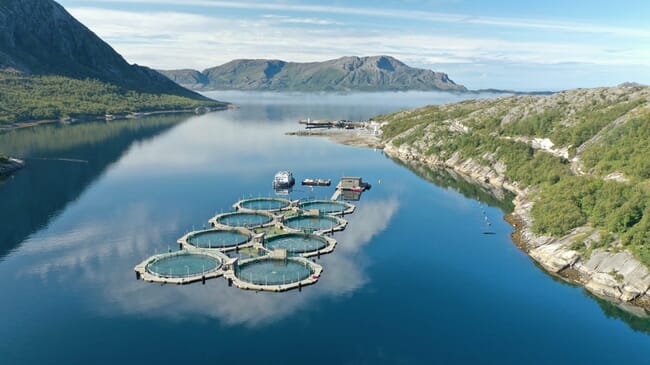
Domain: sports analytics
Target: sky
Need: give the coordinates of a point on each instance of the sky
(504, 44)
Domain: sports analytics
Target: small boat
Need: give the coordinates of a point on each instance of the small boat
(317, 182)
(283, 179)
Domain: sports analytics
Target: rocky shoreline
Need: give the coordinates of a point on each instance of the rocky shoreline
(13, 165)
(356, 137)
(614, 275)
(109, 117)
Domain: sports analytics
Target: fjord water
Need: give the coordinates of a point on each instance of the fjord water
(412, 280)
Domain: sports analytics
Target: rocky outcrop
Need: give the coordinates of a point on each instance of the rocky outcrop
(469, 167)
(10, 165)
(375, 73)
(614, 275)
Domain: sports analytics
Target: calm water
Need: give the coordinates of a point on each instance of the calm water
(71, 233)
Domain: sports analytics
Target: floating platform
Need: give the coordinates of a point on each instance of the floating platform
(343, 124)
(350, 188)
(331, 207)
(265, 204)
(273, 274)
(315, 223)
(181, 267)
(244, 219)
(303, 244)
(317, 182)
(217, 238)
(282, 233)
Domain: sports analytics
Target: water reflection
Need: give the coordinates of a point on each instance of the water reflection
(483, 192)
(77, 231)
(38, 193)
(84, 251)
(634, 317)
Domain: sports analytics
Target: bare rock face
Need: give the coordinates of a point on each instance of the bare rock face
(611, 275)
(555, 257)
(603, 285)
(631, 278)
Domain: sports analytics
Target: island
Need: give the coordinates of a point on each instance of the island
(374, 73)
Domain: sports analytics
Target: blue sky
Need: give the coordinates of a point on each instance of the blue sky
(523, 45)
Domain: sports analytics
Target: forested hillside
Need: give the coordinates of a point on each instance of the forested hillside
(581, 155)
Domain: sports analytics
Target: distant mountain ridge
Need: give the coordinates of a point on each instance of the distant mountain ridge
(52, 66)
(375, 73)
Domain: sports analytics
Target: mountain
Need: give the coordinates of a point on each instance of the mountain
(42, 44)
(375, 73)
(577, 161)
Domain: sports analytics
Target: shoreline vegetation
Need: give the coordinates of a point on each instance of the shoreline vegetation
(11, 165)
(576, 162)
(29, 100)
(52, 67)
(110, 117)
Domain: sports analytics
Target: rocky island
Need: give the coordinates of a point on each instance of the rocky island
(9, 165)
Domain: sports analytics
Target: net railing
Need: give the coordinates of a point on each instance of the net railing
(261, 273)
(186, 265)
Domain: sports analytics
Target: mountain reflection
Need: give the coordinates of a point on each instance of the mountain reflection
(39, 192)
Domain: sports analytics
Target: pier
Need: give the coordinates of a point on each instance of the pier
(350, 187)
(342, 124)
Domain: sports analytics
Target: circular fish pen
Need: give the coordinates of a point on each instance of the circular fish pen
(274, 272)
(263, 245)
(296, 243)
(328, 206)
(181, 267)
(315, 223)
(244, 219)
(265, 204)
(217, 238)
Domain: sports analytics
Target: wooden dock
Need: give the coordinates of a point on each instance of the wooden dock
(343, 124)
(337, 194)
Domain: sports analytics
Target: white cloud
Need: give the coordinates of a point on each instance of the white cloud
(293, 20)
(182, 40)
(540, 24)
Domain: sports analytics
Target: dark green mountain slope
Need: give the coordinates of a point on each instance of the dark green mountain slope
(51, 65)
